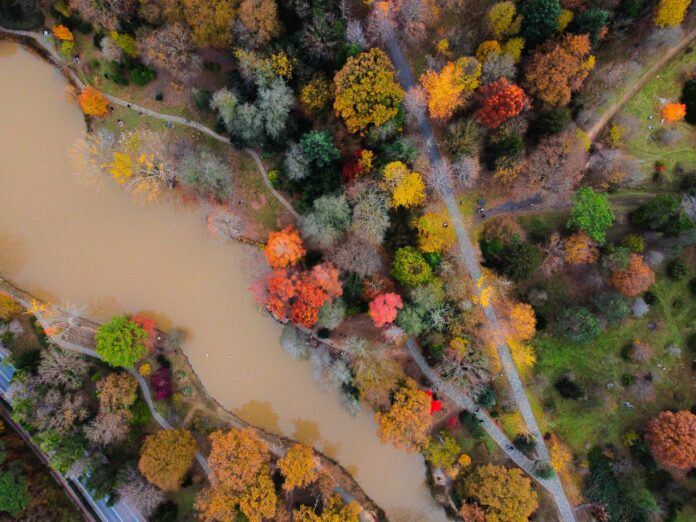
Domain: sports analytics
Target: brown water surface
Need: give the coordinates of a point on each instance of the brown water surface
(71, 244)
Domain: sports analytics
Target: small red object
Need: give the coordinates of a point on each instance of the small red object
(435, 406)
(452, 422)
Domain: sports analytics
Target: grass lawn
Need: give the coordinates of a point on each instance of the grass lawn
(665, 87)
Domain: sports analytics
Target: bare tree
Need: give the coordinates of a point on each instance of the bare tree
(416, 105)
(144, 496)
(59, 412)
(60, 367)
(381, 24)
(171, 47)
(223, 224)
(415, 16)
(107, 428)
(355, 34)
(466, 171)
(356, 255)
(440, 178)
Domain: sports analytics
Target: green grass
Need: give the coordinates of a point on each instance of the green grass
(666, 85)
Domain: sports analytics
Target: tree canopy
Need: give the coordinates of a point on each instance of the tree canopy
(121, 342)
(591, 213)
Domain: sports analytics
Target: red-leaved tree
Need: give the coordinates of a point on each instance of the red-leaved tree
(500, 101)
(384, 308)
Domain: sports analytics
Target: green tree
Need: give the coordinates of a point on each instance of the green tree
(539, 19)
(14, 493)
(664, 214)
(442, 450)
(121, 342)
(578, 324)
(513, 258)
(318, 148)
(591, 213)
(590, 21)
(410, 268)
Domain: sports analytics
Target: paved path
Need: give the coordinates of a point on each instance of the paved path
(615, 107)
(46, 43)
(470, 260)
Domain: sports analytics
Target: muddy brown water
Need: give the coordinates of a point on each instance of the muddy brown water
(96, 250)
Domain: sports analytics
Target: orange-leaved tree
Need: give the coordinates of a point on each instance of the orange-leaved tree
(384, 308)
(580, 248)
(674, 111)
(672, 439)
(635, 279)
(448, 89)
(298, 467)
(407, 421)
(166, 457)
(284, 248)
(500, 101)
(93, 102)
(63, 33)
(523, 321)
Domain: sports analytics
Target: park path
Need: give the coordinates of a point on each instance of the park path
(469, 258)
(46, 44)
(615, 107)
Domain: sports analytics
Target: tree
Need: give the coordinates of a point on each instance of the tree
(674, 112)
(207, 173)
(591, 213)
(318, 148)
(144, 496)
(367, 93)
(407, 187)
(258, 501)
(407, 421)
(580, 248)
(93, 102)
(523, 321)
(384, 308)
(284, 248)
(435, 232)
(592, 22)
(487, 49)
(635, 279)
(117, 392)
(500, 101)
(578, 324)
(539, 19)
(316, 94)
(442, 450)
(170, 47)
(505, 494)
(236, 458)
(260, 19)
(671, 13)
(410, 268)
(121, 342)
(107, 428)
(210, 21)
(355, 254)
(166, 457)
(448, 90)
(296, 164)
(225, 103)
(559, 68)
(334, 510)
(329, 219)
(688, 98)
(672, 439)
(503, 20)
(14, 493)
(370, 212)
(247, 126)
(663, 213)
(298, 467)
(63, 33)
(8, 307)
(60, 367)
(275, 102)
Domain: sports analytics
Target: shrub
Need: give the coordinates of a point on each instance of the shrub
(613, 306)
(578, 324)
(410, 268)
(677, 270)
(161, 382)
(634, 243)
(569, 389)
(513, 258)
(142, 75)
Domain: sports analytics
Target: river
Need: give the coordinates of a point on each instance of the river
(69, 243)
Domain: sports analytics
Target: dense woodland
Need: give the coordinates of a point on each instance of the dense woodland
(585, 230)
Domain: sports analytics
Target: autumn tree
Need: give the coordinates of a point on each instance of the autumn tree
(671, 13)
(674, 112)
(410, 268)
(523, 321)
(298, 467)
(503, 20)
(407, 187)
(284, 248)
(259, 19)
(591, 213)
(170, 47)
(407, 421)
(505, 494)
(117, 392)
(635, 279)
(60, 367)
(448, 89)
(367, 93)
(93, 103)
(334, 510)
(121, 342)
(435, 232)
(210, 21)
(672, 439)
(8, 307)
(208, 173)
(539, 19)
(500, 101)
(580, 248)
(559, 68)
(144, 496)
(166, 457)
(63, 33)
(384, 308)
(442, 450)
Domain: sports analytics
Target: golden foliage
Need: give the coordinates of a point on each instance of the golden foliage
(258, 501)
(523, 321)
(236, 458)
(580, 248)
(210, 21)
(366, 91)
(8, 307)
(117, 392)
(334, 511)
(166, 457)
(281, 64)
(63, 33)
(671, 12)
(564, 20)
(261, 18)
(406, 423)
(297, 466)
(407, 187)
(93, 102)
(316, 94)
(514, 47)
(486, 48)
(435, 232)
(522, 354)
(503, 20)
(448, 88)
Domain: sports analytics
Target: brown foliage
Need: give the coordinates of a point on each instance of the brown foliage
(406, 423)
(260, 19)
(171, 47)
(672, 439)
(580, 248)
(236, 458)
(557, 163)
(636, 279)
(166, 457)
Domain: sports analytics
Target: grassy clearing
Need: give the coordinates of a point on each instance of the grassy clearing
(663, 88)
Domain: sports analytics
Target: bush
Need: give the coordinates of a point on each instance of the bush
(677, 270)
(569, 389)
(543, 470)
(525, 442)
(410, 268)
(551, 122)
(613, 306)
(487, 399)
(471, 423)
(578, 324)
(514, 258)
(651, 298)
(141, 75)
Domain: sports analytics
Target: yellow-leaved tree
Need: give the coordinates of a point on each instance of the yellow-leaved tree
(297, 466)
(367, 93)
(503, 20)
(671, 12)
(407, 422)
(435, 232)
(407, 187)
(166, 457)
(448, 89)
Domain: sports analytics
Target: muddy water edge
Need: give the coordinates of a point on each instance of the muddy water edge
(96, 250)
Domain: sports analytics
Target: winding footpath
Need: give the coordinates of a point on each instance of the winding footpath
(469, 258)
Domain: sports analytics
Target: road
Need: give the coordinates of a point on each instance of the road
(121, 511)
(470, 261)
